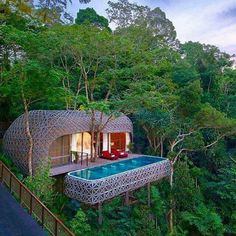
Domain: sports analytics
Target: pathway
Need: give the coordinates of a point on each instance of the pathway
(14, 220)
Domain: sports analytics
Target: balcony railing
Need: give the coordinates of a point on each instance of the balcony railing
(80, 157)
(34, 206)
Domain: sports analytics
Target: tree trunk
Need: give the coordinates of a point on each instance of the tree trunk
(209, 85)
(161, 147)
(92, 153)
(171, 199)
(92, 134)
(28, 134)
(97, 143)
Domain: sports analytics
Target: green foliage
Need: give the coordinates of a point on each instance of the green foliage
(116, 219)
(186, 193)
(143, 223)
(190, 99)
(205, 220)
(90, 16)
(159, 208)
(41, 184)
(79, 224)
(9, 163)
(222, 190)
(184, 73)
(181, 98)
(212, 118)
(125, 15)
(59, 202)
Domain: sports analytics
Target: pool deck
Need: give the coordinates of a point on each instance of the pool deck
(71, 167)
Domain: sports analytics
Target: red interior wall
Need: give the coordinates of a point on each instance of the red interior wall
(118, 140)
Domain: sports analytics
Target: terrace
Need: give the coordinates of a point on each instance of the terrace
(63, 169)
(96, 184)
(66, 138)
(59, 134)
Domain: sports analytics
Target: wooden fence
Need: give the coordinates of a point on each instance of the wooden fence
(34, 206)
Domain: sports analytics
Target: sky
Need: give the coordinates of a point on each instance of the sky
(207, 21)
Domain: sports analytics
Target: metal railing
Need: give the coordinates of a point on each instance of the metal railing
(61, 160)
(81, 156)
(34, 206)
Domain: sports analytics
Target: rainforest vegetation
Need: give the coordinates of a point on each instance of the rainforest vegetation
(181, 98)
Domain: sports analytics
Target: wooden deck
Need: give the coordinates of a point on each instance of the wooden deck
(59, 170)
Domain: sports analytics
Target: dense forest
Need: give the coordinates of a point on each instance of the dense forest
(181, 98)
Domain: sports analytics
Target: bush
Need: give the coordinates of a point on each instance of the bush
(79, 224)
(204, 220)
(41, 184)
(9, 163)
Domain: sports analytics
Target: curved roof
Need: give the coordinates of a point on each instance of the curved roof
(48, 125)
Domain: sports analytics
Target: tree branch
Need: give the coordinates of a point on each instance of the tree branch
(179, 139)
(234, 161)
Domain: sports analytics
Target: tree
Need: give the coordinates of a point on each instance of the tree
(85, 60)
(158, 208)
(13, 11)
(222, 187)
(125, 14)
(227, 92)
(209, 62)
(25, 84)
(181, 98)
(186, 193)
(89, 15)
(41, 184)
(53, 12)
(189, 118)
(79, 224)
(84, 1)
(206, 221)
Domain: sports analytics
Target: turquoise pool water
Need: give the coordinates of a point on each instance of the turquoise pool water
(115, 167)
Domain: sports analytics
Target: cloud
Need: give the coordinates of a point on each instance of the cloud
(231, 13)
(205, 21)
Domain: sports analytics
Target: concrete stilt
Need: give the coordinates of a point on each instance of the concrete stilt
(127, 198)
(99, 213)
(149, 194)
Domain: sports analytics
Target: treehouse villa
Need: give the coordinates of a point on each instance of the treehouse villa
(65, 138)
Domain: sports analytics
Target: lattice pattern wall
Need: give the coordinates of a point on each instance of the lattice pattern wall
(95, 191)
(46, 126)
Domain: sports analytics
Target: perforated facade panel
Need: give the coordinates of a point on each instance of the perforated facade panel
(48, 125)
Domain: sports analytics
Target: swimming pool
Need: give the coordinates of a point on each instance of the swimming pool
(97, 184)
(114, 168)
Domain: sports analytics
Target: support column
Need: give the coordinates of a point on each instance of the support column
(127, 198)
(149, 194)
(100, 213)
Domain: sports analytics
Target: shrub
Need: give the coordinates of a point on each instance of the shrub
(79, 224)
(9, 163)
(204, 220)
(41, 184)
